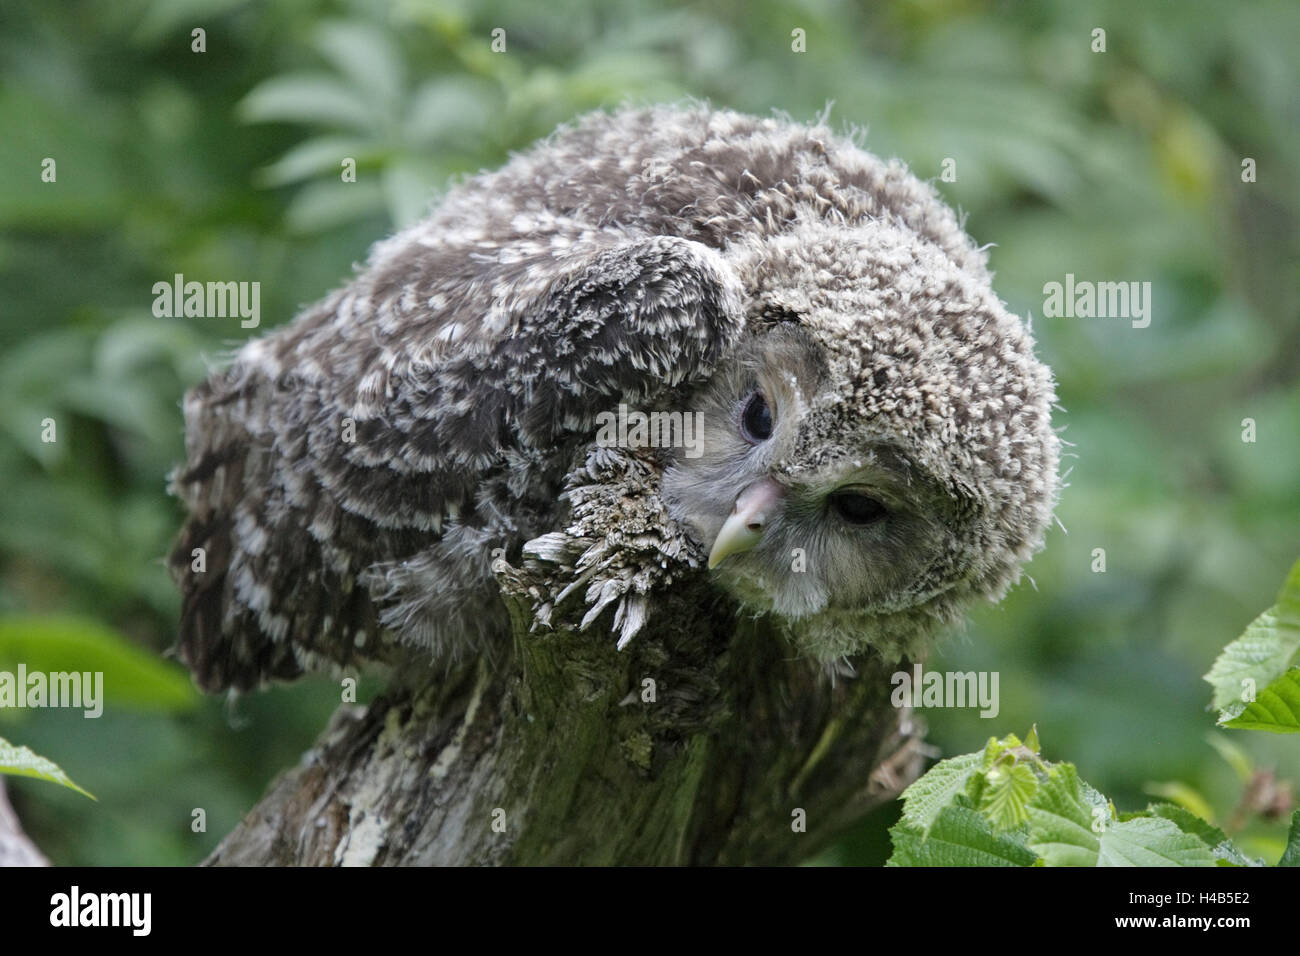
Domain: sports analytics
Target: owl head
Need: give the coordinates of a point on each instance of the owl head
(877, 449)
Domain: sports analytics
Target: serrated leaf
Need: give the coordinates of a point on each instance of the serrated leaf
(1061, 830)
(958, 836)
(1231, 712)
(1008, 791)
(21, 762)
(1276, 709)
(1223, 848)
(1060, 825)
(1264, 650)
(925, 798)
(1151, 841)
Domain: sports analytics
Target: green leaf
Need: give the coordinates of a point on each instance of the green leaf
(1031, 740)
(132, 344)
(958, 836)
(21, 762)
(1187, 797)
(314, 157)
(367, 57)
(925, 798)
(1061, 826)
(308, 98)
(451, 111)
(1151, 842)
(1276, 709)
(995, 748)
(1291, 855)
(133, 678)
(1264, 650)
(1070, 827)
(1224, 850)
(1005, 805)
(1009, 789)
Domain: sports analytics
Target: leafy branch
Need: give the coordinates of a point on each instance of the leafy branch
(1008, 806)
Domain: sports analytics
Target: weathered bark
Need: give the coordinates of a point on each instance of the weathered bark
(552, 756)
(16, 848)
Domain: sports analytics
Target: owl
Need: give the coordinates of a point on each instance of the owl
(853, 432)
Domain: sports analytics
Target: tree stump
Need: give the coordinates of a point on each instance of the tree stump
(706, 741)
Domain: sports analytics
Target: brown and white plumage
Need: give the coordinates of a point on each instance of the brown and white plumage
(660, 258)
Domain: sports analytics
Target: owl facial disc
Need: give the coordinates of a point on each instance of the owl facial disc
(751, 514)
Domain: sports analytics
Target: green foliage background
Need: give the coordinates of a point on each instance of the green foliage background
(224, 165)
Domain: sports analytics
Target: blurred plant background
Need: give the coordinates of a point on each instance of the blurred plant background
(224, 165)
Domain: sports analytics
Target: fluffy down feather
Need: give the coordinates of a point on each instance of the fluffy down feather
(349, 475)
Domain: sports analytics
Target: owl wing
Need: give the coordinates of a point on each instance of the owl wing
(347, 441)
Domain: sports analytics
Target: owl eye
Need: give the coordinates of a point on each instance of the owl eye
(756, 419)
(857, 508)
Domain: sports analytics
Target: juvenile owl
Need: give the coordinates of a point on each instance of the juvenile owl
(849, 431)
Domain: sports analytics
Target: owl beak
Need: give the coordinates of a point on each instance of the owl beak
(754, 509)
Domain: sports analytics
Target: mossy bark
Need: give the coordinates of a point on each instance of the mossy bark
(706, 741)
